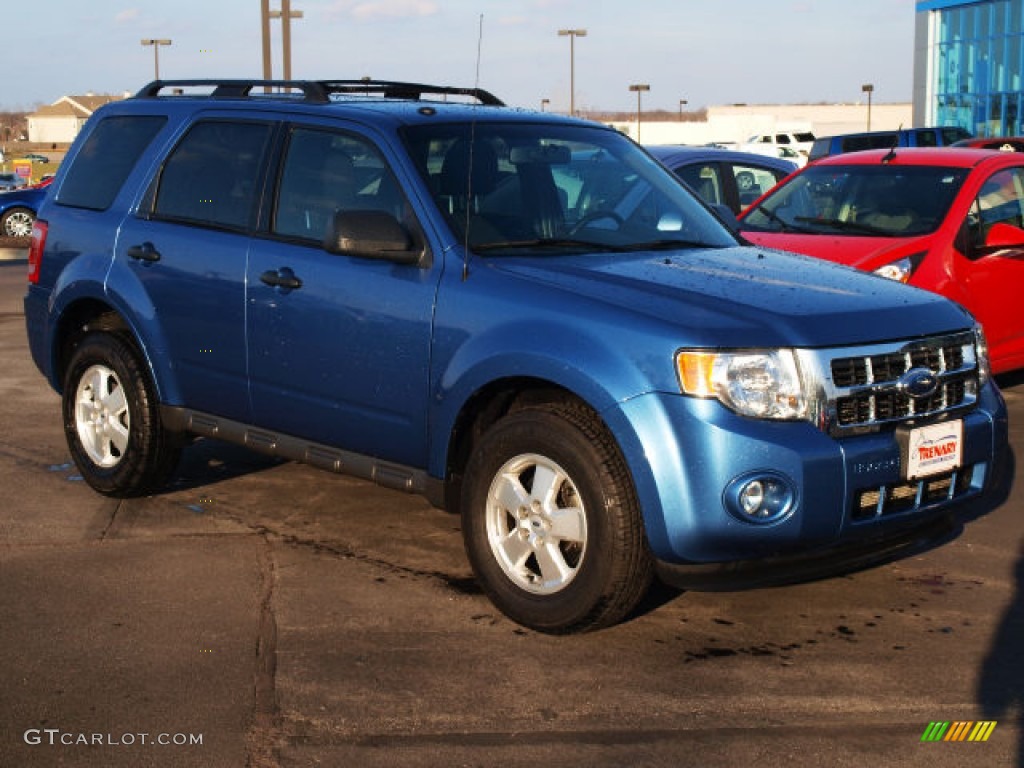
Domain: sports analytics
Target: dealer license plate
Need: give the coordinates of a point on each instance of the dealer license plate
(933, 450)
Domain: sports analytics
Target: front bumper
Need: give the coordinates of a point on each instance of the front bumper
(685, 453)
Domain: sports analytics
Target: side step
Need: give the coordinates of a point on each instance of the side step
(383, 473)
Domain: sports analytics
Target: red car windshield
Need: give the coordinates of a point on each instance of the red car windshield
(872, 200)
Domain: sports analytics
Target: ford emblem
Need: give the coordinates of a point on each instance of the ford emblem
(919, 382)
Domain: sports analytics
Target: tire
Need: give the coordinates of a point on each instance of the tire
(551, 523)
(112, 419)
(17, 222)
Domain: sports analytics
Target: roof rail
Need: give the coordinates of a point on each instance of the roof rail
(319, 91)
(391, 89)
(236, 89)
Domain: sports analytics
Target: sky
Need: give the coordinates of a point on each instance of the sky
(708, 52)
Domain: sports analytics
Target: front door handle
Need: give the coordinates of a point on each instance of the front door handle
(282, 278)
(145, 252)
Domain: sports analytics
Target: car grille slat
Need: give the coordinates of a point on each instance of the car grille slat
(898, 498)
(867, 390)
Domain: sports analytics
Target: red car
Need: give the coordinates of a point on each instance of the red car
(1001, 143)
(948, 220)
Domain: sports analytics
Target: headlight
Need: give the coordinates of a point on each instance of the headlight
(763, 384)
(901, 269)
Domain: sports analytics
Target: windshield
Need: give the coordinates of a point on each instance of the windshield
(553, 188)
(872, 200)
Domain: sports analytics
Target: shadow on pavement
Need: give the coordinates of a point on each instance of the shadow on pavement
(1001, 680)
(207, 461)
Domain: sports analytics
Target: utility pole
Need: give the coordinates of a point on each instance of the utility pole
(286, 14)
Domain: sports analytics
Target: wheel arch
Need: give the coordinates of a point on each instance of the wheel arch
(87, 315)
(486, 406)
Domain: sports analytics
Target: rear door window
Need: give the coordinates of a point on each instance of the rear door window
(705, 179)
(213, 176)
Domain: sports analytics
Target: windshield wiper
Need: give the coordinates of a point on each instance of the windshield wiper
(568, 242)
(784, 225)
(845, 226)
(542, 242)
(666, 245)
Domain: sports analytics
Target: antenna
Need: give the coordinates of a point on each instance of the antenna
(472, 145)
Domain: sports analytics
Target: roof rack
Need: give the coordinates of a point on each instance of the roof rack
(319, 91)
(390, 89)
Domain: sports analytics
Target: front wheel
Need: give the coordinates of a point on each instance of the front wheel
(112, 419)
(17, 222)
(550, 521)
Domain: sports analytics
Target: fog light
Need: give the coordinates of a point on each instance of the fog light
(752, 498)
(762, 497)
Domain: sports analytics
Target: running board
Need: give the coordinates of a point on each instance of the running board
(383, 473)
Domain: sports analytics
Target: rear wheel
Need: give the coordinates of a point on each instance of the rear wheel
(112, 419)
(551, 523)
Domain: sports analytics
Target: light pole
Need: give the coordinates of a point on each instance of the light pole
(868, 88)
(682, 103)
(156, 54)
(544, 104)
(572, 34)
(639, 88)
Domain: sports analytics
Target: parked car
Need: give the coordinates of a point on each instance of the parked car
(18, 210)
(522, 316)
(1001, 143)
(36, 158)
(722, 176)
(799, 142)
(948, 220)
(9, 181)
(906, 137)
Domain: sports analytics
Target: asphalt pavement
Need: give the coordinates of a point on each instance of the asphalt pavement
(268, 614)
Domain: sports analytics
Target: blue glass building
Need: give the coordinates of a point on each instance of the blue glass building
(968, 65)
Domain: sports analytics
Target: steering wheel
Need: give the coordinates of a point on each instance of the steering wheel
(596, 216)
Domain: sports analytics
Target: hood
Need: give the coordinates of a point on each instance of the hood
(742, 297)
(866, 253)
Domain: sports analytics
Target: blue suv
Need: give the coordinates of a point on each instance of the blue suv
(522, 316)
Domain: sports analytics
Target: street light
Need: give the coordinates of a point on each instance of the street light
(544, 104)
(682, 103)
(156, 54)
(868, 88)
(639, 88)
(572, 34)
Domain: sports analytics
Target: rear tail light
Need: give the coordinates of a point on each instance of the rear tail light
(35, 250)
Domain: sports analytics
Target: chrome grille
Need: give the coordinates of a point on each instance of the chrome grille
(866, 388)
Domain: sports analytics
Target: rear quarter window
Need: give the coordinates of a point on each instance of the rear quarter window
(106, 158)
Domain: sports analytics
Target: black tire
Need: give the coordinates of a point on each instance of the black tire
(17, 222)
(112, 419)
(594, 564)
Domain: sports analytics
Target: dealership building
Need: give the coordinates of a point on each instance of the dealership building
(968, 68)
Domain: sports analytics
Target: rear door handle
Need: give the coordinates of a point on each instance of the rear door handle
(282, 278)
(145, 252)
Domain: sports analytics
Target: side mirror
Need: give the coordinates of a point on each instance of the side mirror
(370, 234)
(1002, 236)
